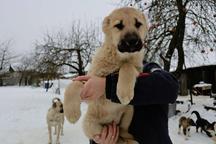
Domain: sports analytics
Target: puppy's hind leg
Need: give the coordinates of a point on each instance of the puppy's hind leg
(124, 136)
(91, 126)
(72, 101)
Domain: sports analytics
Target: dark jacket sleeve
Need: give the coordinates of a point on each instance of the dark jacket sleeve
(158, 87)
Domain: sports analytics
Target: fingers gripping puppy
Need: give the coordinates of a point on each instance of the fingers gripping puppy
(125, 30)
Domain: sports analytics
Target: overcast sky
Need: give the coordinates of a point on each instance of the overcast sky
(25, 21)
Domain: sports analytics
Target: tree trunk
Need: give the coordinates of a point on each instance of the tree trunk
(177, 41)
(80, 63)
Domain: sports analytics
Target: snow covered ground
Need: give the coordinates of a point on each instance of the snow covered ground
(23, 118)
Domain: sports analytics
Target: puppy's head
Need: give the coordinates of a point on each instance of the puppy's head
(57, 104)
(186, 122)
(211, 126)
(126, 29)
(191, 122)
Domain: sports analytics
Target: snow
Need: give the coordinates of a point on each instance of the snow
(202, 84)
(196, 138)
(23, 117)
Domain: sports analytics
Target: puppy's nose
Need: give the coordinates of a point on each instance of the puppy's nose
(130, 43)
(131, 40)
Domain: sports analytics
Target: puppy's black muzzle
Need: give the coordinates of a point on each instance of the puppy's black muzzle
(130, 43)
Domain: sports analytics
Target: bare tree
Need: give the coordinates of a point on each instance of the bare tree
(184, 26)
(5, 54)
(71, 49)
(5, 58)
(26, 65)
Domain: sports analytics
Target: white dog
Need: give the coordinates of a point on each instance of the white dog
(55, 118)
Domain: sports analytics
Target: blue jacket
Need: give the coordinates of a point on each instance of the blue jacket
(154, 90)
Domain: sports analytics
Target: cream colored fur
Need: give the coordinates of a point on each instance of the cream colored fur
(55, 119)
(106, 61)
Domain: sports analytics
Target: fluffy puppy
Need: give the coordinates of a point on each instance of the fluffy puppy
(125, 30)
(55, 118)
(185, 123)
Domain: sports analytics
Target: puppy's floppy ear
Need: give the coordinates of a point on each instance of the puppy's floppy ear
(106, 23)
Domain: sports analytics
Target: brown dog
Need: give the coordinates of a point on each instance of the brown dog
(125, 30)
(185, 123)
(55, 118)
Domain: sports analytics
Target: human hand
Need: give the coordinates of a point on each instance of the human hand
(93, 88)
(109, 135)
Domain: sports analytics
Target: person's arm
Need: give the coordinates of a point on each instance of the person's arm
(159, 87)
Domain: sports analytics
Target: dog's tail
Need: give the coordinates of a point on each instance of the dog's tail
(72, 101)
(197, 114)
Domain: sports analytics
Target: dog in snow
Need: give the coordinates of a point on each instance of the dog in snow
(55, 119)
(185, 123)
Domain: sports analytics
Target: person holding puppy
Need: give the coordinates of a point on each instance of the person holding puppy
(154, 90)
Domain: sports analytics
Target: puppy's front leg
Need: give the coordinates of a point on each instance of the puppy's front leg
(50, 134)
(55, 130)
(72, 101)
(58, 134)
(188, 129)
(126, 82)
(179, 130)
(62, 133)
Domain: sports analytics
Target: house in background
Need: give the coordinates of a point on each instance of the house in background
(195, 75)
(9, 76)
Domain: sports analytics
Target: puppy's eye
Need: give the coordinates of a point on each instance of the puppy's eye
(119, 26)
(137, 23)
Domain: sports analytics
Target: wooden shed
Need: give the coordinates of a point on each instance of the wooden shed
(195, 75)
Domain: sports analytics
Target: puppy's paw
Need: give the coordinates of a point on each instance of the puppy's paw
(49, 142)
(125, 95)
(73, 116)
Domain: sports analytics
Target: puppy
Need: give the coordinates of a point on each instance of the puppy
(185, 123)
(122, 51)
(55, 118)
(212, 126)
(200, 122)
(211, 129)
